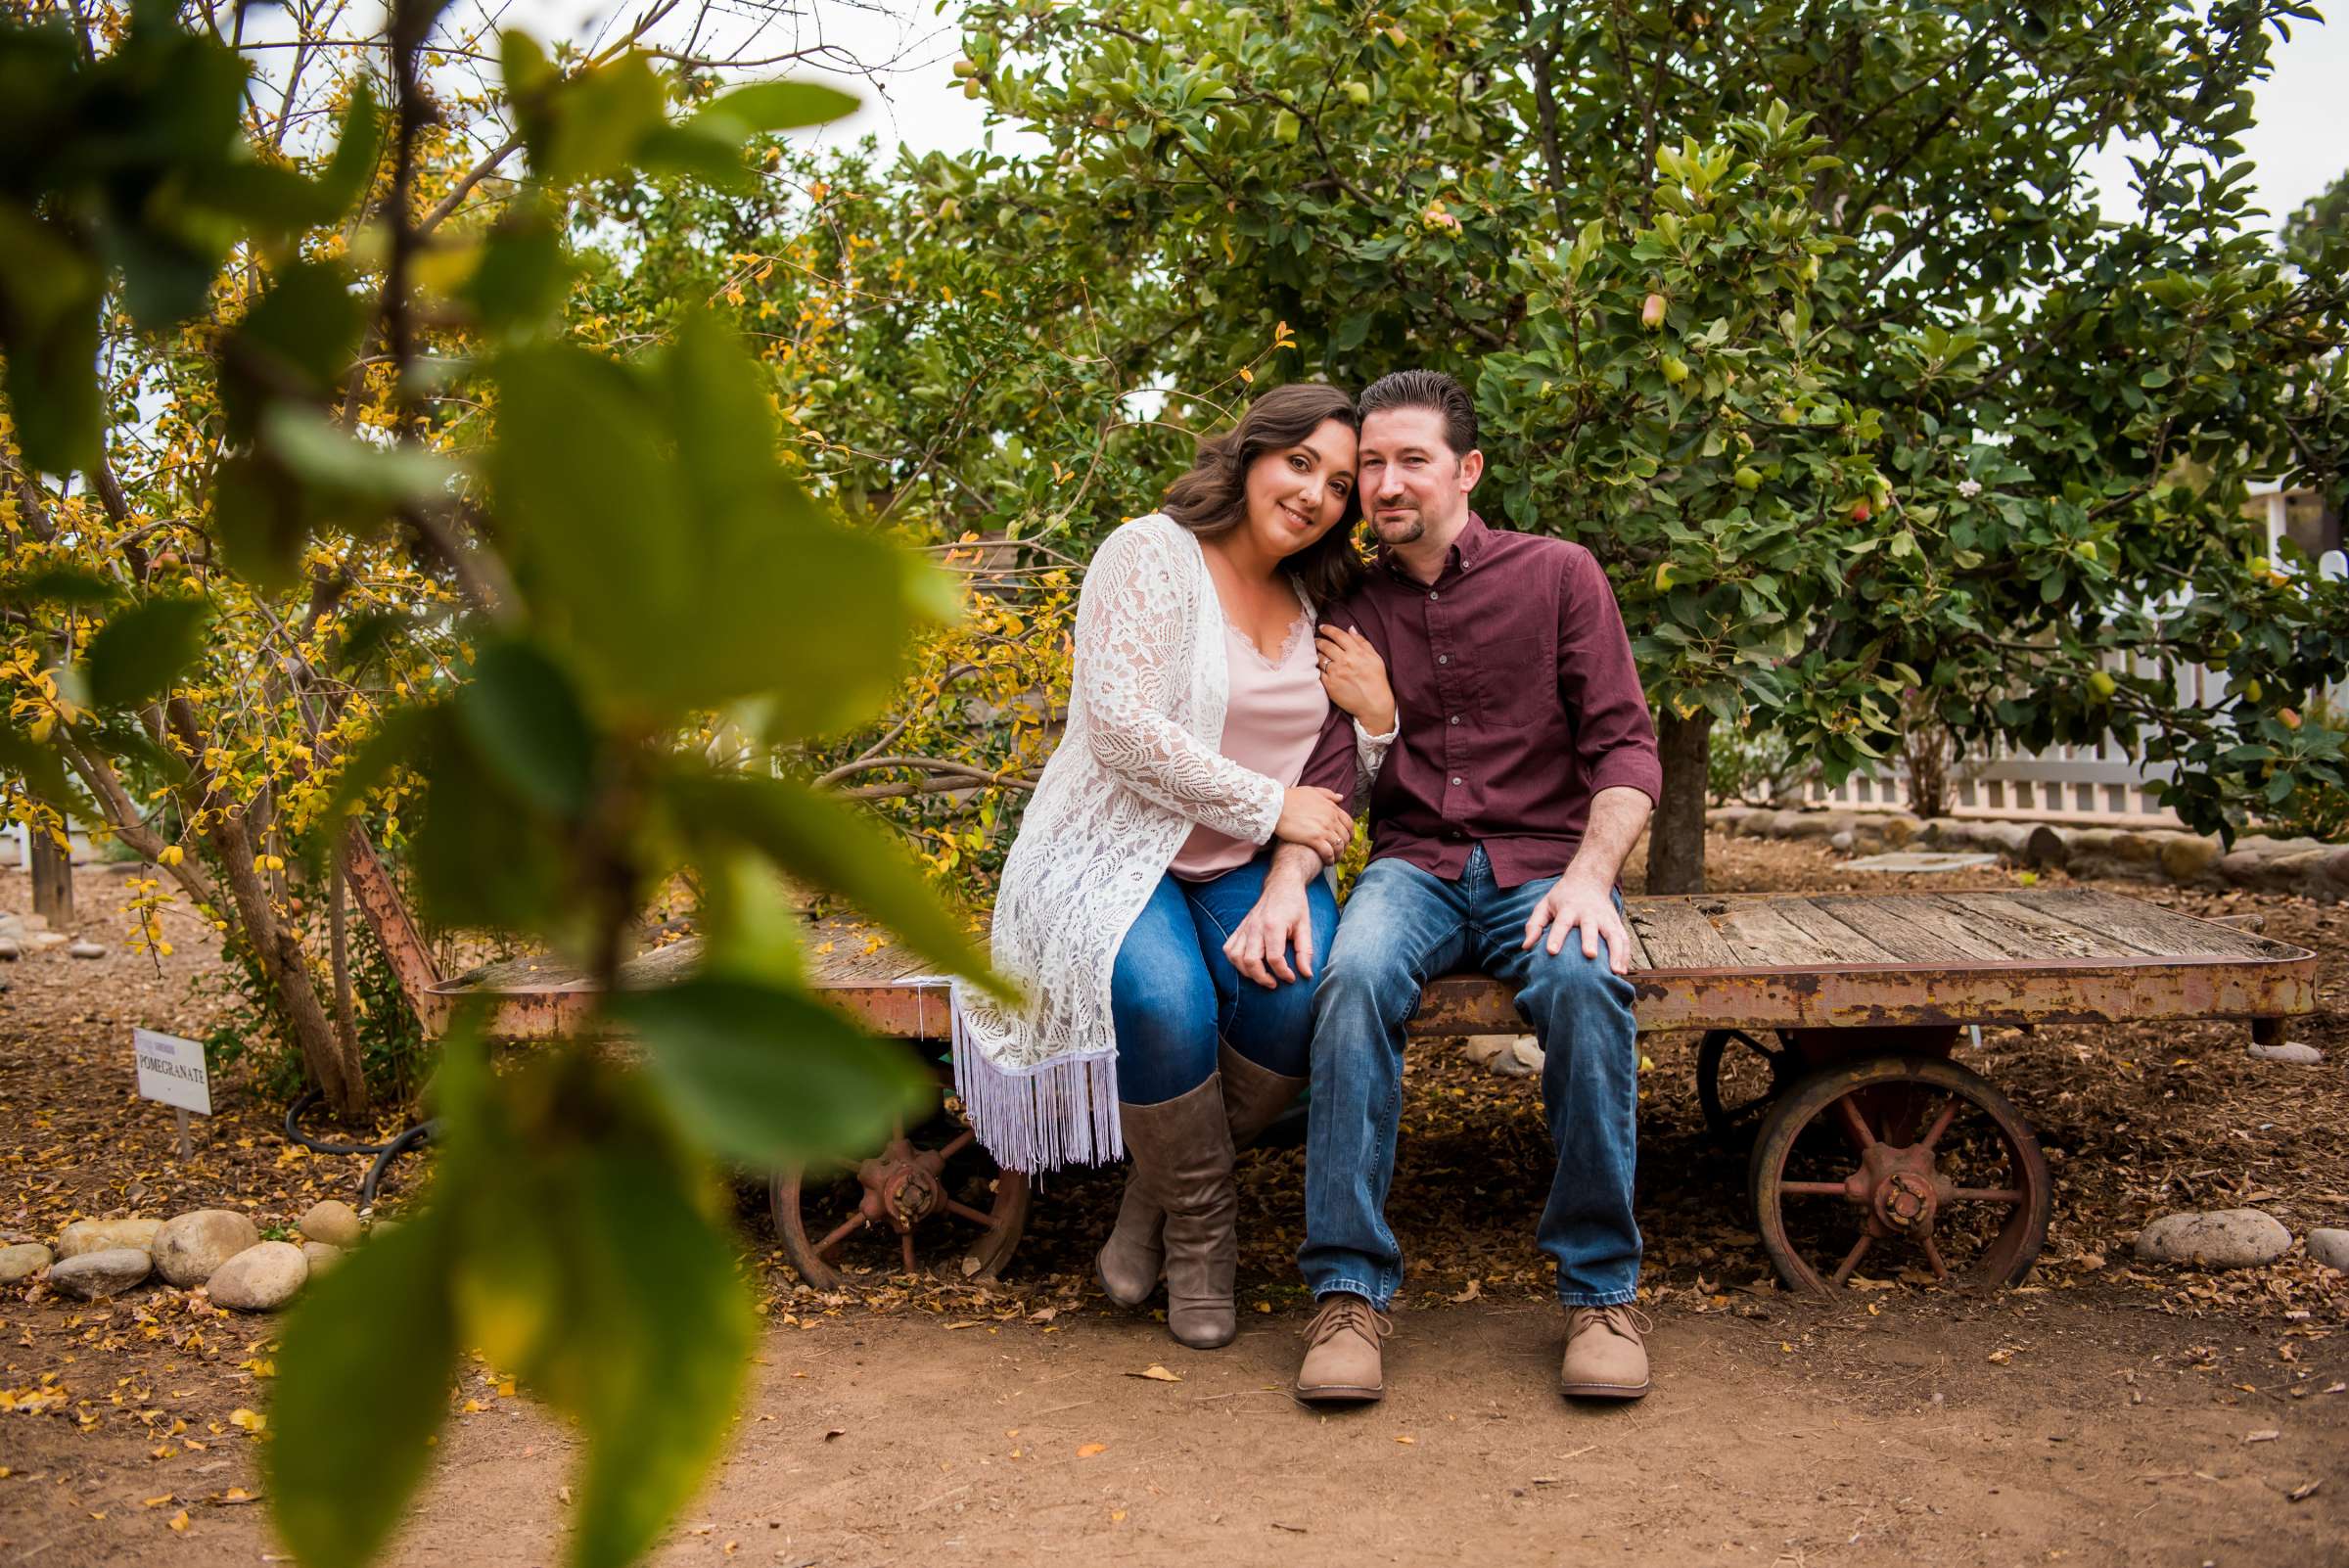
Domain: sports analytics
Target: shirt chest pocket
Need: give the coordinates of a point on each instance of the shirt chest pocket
(1515, 685)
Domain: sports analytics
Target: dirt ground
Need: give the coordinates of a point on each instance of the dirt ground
(2101, 1413)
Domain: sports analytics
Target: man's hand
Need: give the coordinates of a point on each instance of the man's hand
(1280, 920)
(1578, 902)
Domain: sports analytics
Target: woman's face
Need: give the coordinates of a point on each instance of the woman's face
(1297, 493)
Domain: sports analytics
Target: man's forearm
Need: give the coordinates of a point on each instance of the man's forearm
(1617, 814)
(1298, 862)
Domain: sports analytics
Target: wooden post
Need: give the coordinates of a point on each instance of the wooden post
(52, 881)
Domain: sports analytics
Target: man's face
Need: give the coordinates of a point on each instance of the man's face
(1412, 479)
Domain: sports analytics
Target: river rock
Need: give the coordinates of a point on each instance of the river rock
(332, 1222)
(2046, 848)
(22, 1261)
(102, 1235)
(2329, 1247)
(10, 948)
(83, 947)
(2293, 1052)
(2189, 857)
(2222, 1238)
(190, 1246)
(88, 1275)
(260, 1280)
(320, 1255)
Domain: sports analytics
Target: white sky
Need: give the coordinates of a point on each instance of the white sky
(2300, 142)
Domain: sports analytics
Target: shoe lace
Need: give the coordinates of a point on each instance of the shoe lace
(1348, 1314)
(1624, 1321)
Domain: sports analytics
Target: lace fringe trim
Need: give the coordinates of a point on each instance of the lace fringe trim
(1060, 1111)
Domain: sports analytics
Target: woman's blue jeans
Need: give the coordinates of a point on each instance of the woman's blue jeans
(1404, 927)
(1173, 996)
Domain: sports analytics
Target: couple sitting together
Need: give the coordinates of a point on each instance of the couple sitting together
(1242, 685)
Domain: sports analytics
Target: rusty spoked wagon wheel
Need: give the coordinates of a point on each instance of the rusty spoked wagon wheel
(1861, 1162)
(1738, 1077)
(819, 1213)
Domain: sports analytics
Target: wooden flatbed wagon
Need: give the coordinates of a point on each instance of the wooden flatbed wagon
(1827, 1022)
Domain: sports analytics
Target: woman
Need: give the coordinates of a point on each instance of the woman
(1194, 705)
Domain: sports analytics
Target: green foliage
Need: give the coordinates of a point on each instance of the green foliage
(619, 567)
(1755, 765)
(1805, 320)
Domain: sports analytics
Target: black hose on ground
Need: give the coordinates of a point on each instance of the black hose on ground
(384, 1153)
(421, 1132)
(294, 1133)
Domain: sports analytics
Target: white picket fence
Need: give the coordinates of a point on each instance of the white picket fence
(2102, 783)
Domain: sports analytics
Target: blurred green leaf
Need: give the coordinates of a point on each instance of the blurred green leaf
(38, 766)
(829, 842)
(364, 1373)
(58, 583)
(663, 542)
(589, 124)
(297, 341)
(143, 649)
(774, 106)
(763, 1074)
(524, 720)
(314, 449)
(522, 276)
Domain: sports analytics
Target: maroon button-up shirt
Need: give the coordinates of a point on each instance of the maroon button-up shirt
(1517, 702)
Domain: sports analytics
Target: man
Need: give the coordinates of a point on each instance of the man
(1523, 772)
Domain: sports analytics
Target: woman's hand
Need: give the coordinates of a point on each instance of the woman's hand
(1356, 677)
(1312, 816)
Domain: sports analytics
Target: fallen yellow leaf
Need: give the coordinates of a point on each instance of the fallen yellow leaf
(1087, 1450)
(1404, 1437)
(251, 1421)
(154, 1502)
(179, 1520)
(1155, 1374)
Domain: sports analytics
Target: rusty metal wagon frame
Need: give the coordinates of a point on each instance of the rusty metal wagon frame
(1826, 1025)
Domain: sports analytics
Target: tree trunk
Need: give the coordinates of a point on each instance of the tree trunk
(52, 880)
(339, 1073)
(1675, 839)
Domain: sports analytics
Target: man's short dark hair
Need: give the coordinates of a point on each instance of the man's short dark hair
(1425, 389)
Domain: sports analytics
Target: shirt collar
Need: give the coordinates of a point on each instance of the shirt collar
(1474, 537)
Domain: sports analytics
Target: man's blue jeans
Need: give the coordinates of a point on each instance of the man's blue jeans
(1402, 928)
(1173, 996)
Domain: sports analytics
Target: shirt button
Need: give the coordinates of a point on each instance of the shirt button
(1456, 719)
(1443, 659)
(1432, 594)
(1455, 782)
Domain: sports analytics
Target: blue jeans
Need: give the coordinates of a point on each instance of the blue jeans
(1173, 996)
(1402, 928)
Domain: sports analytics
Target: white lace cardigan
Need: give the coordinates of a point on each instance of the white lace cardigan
(1139, 766)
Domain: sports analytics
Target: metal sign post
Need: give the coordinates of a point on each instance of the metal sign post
(172, 1071)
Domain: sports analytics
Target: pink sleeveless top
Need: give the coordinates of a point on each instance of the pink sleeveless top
(1274, 715)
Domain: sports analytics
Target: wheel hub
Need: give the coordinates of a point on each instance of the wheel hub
(1905, 1202)
(901, 1187)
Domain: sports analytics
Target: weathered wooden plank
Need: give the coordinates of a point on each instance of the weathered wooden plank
(2048, 935)
(1792, 930)
(2148, 926)
(1913, 926)
(1675, 934)
(1850, 944)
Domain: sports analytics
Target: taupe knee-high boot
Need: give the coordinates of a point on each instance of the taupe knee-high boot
(1131, 1259)
(1181, 1151)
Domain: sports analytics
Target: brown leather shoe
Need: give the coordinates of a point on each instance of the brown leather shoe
(1605, 1356)
(1342, 1360)
(1132, 1257)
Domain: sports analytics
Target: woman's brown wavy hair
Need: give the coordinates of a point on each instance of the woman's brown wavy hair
(1212, 499)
